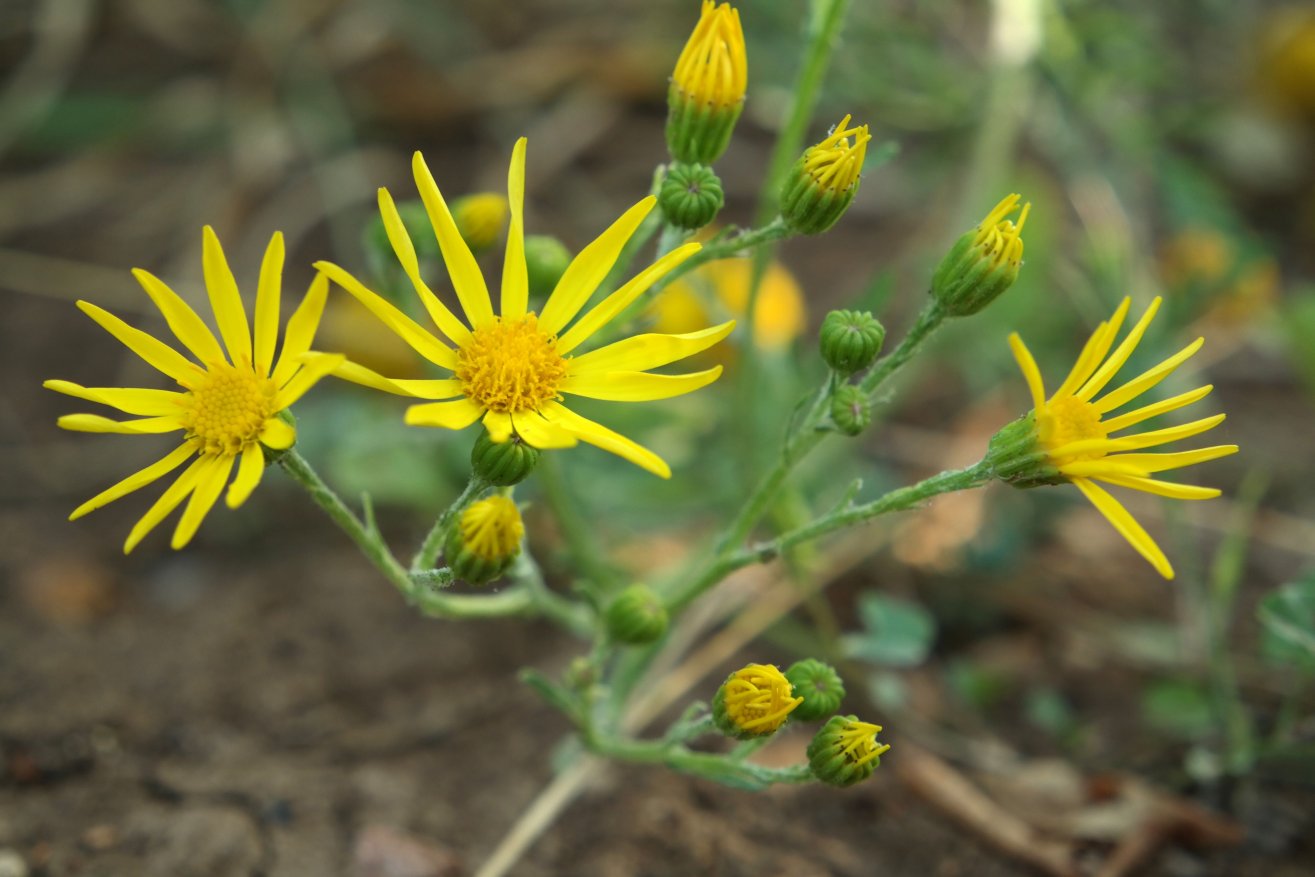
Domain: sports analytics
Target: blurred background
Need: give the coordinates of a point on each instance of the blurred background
(262, 703)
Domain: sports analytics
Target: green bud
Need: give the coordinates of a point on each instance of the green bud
(850, 410)
(485, 540)
(546, 260)
(1015, 455)
(845, 751)
(851, 340)
(820, 687)
(754, 701)
(983, 263)
(502, 464)
(636, 616)
(822, 184)
(690, 196)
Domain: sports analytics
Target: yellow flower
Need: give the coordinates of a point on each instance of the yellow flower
(491, 529)
(780, 313)
(1074, 430)
(754, 701)
(511, 369)
(824, 180)
(480, 218)
(712, 69)
(229, 405)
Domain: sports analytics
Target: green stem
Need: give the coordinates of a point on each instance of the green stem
(573, 616)
(433, 543)
(670, 238)
(928, 321)
(711, 766)
(422, 594)
(746, 240)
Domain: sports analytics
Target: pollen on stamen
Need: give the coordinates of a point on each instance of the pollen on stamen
(227, 409)
(510, 366)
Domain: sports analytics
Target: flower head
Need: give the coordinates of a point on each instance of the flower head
(231, 396)
(486, 539)
(512, 369)
(983, 262)
(824, 181)
(845, 751)
(1071, 436)
(754, 701)
(707, 87)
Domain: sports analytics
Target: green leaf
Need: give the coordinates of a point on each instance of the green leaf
(1288, 618)
(897, 633)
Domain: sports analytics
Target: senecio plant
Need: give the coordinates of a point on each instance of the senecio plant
(509, 370)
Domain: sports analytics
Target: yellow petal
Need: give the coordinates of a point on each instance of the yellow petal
(457, 414)
(643, 352)
(1101, 468)
(498, 425)
(1095, 349)
(589, 268)
(136, 481)
(96, 423)
(1147, 379)
(444, 388)
(1164, 436)
(210, 483)
(225, 300)
(278, 435)
(443, 318)
(1163, 462)
(515, 281)
(1032, 374)
(406, 328)
(158, 354)
(637, 386)
(1120, 355)
(168, 501)
(602, 437)
(1132, 418)
(186, 324)
(1162, 488)
(268, 292)
(618, 301)
(461, 265)
(1127, 526)
(249, 470)
(540, 433)
(301, 330)
(149, 403)
(315, 366)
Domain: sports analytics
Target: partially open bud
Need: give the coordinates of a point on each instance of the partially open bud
(485, 540)
(850, 410)
(707, 87)
(819, 685)
(850, 340)
(690, 196)
(502, 464)
(636, 616)
(480, 219)
(822, 184)
(546, 259)
(983, 263)
(753, 702)
(845, 751)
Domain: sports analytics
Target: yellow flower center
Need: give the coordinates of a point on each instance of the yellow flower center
(228, 408)
(999, 238)
(835, 163)
(491, 529)
(510, 366)
(858, 743)
(758, 698)
(1066, 420)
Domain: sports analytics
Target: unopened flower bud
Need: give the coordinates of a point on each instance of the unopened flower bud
(819, 685)
(850, 340)
(636, 616)
(690, 196)
(845, 751)
(822, 184)
(486, 539)
(546, 259)
(850, 410)
(983, 263)
(753, 702)
(707, 87)
(480, 219)
(502, 464)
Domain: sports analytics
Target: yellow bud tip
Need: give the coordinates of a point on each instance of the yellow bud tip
(492, 528)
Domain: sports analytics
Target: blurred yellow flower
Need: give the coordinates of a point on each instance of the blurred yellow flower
(780, 313)
(480, 218)
(230, 402)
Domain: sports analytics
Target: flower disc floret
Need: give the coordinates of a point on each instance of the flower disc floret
(510, 366)
(228, 408)
(754, 702)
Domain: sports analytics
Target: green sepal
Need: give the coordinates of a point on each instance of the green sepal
(1015, 456)
(698, 133)
(828, 761)
(968, 280)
